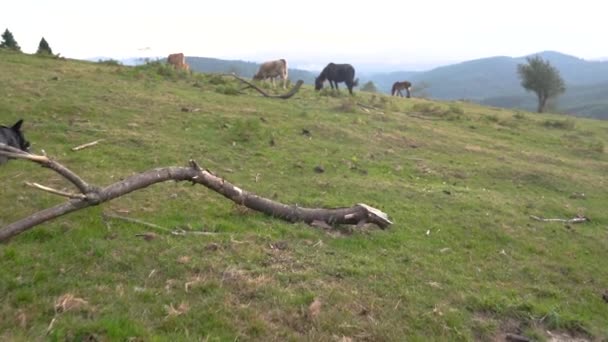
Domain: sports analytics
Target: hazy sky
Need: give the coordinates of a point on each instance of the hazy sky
(419, 34)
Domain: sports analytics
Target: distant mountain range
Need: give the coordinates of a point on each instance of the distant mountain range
(494, 81)
(491, 81)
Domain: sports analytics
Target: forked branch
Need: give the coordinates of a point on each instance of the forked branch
(289, 94)
(93, 195)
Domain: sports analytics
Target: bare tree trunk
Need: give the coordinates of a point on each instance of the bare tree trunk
(93, 195)
(542, 102)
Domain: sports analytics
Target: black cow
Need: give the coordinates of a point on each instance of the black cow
(12, 136)
(336, 73)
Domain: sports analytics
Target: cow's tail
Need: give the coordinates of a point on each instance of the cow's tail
(394, 89)
(356, 82)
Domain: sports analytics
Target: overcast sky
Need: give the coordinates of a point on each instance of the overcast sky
(416, 34)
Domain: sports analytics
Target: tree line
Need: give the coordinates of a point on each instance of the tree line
(9, 42)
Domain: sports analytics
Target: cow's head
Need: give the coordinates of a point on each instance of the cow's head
(319, 83)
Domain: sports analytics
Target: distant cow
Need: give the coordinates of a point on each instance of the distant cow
(178, 60)
(336, 73)
(398, 86)
(272, 69)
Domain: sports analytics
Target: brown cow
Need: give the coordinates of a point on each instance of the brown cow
(272, 69)
(178, 60)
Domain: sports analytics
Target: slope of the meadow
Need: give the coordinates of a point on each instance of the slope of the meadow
(462, 261)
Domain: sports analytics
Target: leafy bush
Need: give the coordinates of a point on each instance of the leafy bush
(226, 89)
(347, 106)
(245, 130)
(519, 116)
(567, 124)
(111, 62)
(453, 112)
(456, 109)
(216, 80)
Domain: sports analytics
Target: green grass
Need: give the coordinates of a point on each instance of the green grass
(463, 260)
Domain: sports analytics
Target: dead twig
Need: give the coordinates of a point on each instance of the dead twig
(83, 146)
(54, 191)
(50, 327)
(152, 225)
(578, 219)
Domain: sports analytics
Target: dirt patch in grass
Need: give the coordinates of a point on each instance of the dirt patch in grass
(488, 327)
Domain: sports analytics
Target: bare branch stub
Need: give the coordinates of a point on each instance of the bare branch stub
(93, 195)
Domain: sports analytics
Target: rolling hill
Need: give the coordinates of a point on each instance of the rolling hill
(491, 81)
(468, 256)
(494, 81)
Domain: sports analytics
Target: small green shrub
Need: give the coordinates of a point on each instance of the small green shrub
(245, 130)
(216, 80)
(452, 112)
(492, 118)
(226, 89)
(111, 62)
(519, 116)
(427, 108)
(347, 106)
(566, 124)
(456, 109)
(597, 146)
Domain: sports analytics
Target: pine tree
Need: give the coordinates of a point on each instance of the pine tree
(44, 48)
(9, 42)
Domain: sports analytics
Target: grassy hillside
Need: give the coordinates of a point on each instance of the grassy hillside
(463, 261)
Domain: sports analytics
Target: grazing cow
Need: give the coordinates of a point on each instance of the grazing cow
(178, 60)
(272, 69)
(12, 136)
(398, 86)
(336, 73)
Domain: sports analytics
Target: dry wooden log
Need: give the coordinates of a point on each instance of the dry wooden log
(578, 219)
(93, 195)
(289, 94)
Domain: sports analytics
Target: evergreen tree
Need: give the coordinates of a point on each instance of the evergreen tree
(44, 48)
(541, 77)
(9, 42)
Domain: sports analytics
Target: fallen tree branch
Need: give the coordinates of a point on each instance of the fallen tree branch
(92, 143)
(364, 106)
(45, 161)
(93, 195)
(289, 94)
(578, 219)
